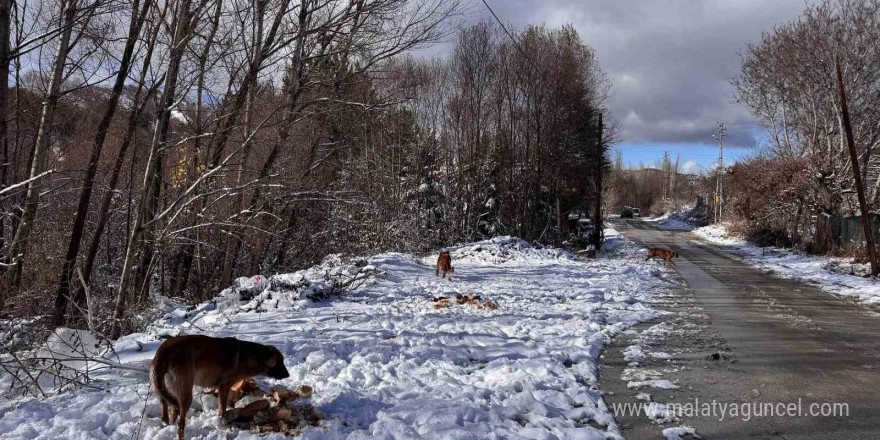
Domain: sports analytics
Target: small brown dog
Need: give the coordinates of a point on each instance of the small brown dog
(184, 361)
(664, 254)
(444, 263)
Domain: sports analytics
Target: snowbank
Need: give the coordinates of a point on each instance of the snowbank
(672, 222)
(829, 273)
(384, 362)
(505, 250)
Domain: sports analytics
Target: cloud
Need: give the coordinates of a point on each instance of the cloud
(671, 61)
(691, 167)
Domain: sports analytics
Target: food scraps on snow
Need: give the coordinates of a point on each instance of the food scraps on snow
(284, 410)
(442, 302)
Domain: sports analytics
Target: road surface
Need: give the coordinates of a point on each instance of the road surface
(780, 341)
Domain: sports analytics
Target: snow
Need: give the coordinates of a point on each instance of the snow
(679, 432)
(671, 222)
(383, 361)
(178, 115)
(831, 274)
(719, 234)
(659, 413)
(663, 384)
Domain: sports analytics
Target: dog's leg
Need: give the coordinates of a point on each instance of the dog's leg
(223, 392)
(164, 411)
(185, 402)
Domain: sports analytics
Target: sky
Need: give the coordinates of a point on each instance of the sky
(671, 62)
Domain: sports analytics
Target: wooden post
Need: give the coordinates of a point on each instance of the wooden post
(860, 190)
(597, 214)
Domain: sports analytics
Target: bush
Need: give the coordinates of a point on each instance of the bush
(765, 236)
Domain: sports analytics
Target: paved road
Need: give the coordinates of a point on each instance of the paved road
(790, 341)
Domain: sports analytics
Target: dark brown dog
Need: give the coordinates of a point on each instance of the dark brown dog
(184, 361)
(444, 263)
(664, 254)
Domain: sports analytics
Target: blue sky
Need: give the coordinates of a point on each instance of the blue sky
(694, 158)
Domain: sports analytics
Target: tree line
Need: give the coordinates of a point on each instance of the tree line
(804, 174)
(165, 147)
(663, 188)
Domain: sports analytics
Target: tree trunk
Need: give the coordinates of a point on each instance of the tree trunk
(597, 214)
(5, 7)
(128, 137)
(234, 243)
(178, 46)
(85, 196)
(189, 250)
(18, 249)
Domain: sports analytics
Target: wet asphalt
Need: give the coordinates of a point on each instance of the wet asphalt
(746, 337)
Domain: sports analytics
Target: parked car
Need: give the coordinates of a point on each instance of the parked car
(627, 212)
(636, 212)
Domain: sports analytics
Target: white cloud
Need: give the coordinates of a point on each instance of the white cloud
(691, 167)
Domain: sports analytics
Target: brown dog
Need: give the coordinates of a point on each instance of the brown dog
(444, 263)
(184, 361)
(664, 254)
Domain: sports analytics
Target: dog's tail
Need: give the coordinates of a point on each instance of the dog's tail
(157, 377)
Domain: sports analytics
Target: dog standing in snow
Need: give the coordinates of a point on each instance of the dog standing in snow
(664, 254)
(444, 263)
(184, 361)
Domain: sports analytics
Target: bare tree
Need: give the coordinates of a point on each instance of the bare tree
(73, 13)
(138, 16)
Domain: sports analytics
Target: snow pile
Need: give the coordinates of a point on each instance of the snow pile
(63, 362)
(829, 273)
(672, 221)
(505, 250)
(68, 348)
(385, 363)
(292, 291)
(679, 432)
(719, 234)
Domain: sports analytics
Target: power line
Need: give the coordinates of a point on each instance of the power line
(515, 43)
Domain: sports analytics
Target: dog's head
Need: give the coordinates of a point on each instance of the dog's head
(275, 364)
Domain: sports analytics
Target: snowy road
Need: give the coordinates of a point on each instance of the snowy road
(792, 344)
(386, 364)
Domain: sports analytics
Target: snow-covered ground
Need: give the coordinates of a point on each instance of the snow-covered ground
(384, 362)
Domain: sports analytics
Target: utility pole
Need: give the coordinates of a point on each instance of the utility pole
(860, 190)
(666, 179)
(720, 132)
(597, 214)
